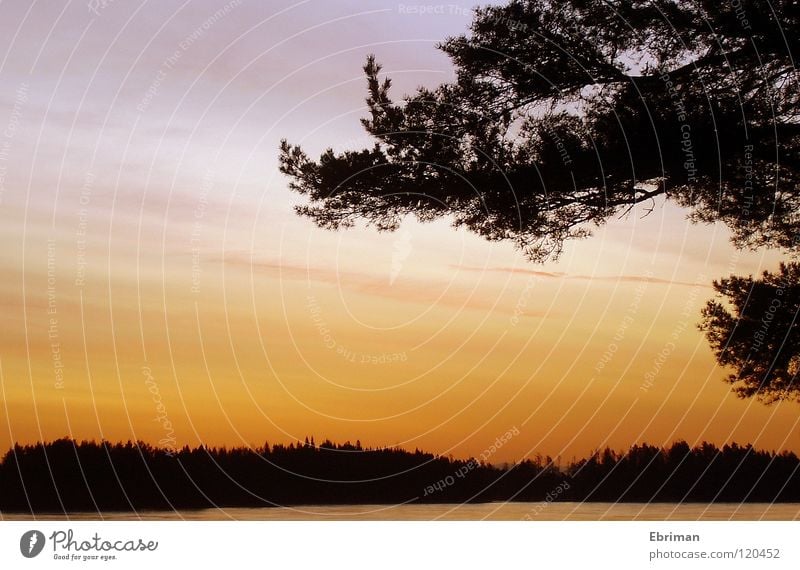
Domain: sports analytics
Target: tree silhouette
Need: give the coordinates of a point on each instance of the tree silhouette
(70, 476)
(566, 113)
(760, 336)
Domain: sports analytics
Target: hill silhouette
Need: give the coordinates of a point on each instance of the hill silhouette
(70, 476)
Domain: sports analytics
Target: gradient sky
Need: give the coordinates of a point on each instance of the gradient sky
(148, 236)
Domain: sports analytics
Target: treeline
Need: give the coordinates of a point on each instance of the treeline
(69, 476)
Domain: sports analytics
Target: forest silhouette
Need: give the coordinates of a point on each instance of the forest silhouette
(67, 476)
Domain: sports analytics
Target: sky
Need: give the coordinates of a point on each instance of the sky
(157, 284)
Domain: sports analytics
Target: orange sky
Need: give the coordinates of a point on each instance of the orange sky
(156, 283)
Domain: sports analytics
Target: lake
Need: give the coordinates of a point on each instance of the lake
(556, 511)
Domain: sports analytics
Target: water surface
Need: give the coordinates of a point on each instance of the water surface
(556, 511)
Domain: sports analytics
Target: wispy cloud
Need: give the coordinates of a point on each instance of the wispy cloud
(562, 275)
(405, 289)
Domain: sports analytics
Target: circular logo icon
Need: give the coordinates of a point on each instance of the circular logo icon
(31, 543)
